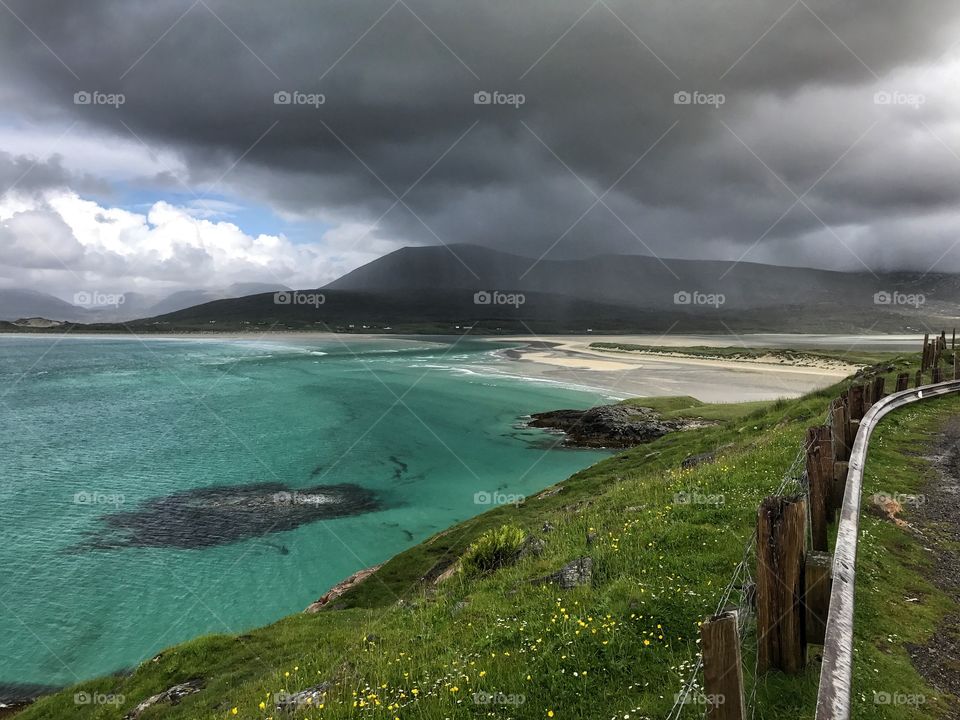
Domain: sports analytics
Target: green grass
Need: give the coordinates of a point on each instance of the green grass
(622, 645)
(784, 355)
(684, 406)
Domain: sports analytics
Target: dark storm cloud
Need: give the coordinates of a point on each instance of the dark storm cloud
(599, 81)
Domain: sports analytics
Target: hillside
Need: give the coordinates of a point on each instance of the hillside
(508, 643)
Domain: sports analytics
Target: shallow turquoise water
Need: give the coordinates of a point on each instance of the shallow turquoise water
(106, 558)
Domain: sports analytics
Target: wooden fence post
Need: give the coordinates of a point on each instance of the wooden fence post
(956, 365)
(816, 595)
(855, 398)
(937, 374)
(926, 352)
(781, 636)
(838, 431)
(840, 470)
(867, 395)
(879, 388)
(722, 667)
(819, 486)
(903, 381)
(919, 378)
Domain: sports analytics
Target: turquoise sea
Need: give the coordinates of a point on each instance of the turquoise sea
(155, 490)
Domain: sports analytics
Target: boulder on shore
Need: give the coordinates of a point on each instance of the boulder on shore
(615, 426)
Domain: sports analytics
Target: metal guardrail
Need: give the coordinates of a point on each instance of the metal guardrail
(836, 673)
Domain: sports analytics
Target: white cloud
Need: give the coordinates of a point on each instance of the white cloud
(62, 243)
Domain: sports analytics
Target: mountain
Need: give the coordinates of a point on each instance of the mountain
(637, 281)
(19, 303)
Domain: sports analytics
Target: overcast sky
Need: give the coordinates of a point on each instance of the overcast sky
(823, 133)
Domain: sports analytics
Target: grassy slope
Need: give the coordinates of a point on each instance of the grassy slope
(621, 646)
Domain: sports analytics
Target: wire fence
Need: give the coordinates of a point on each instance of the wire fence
(739, 594)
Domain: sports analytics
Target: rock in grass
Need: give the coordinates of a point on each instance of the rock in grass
(172, 695)
(608, 425)
(574, 574)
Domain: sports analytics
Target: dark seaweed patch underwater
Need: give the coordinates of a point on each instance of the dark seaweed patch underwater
(225, 514)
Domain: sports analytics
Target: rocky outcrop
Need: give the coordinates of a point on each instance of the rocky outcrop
(340, 588)
(171, 695)
(312, 697)
(615, 426)
(574, 574)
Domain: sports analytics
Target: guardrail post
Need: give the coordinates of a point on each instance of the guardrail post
(722, 667)
(816, 596)
(781, 531)
(903, 382)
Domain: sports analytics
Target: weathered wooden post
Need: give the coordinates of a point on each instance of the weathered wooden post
(903, 382)
(879, 387)
(919, 378)
(819, 489)
(867, 395)
(838, 431)
(937, 374)
(816, 595)
(781, 634)
(956, 365)
(926, 352)
(855, 398)
(840, 470)
(722, 667)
